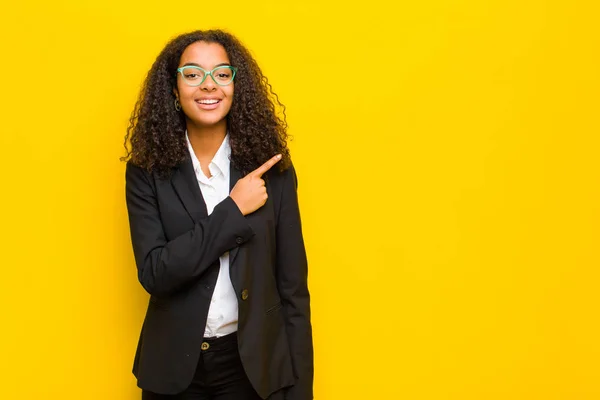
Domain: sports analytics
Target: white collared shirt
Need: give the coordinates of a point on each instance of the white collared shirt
(223, 310)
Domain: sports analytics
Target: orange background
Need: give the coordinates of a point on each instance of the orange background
(447, 153)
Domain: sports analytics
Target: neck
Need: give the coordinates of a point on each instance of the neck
(206, 140)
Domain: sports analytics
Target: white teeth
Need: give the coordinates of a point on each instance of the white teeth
(208, 101)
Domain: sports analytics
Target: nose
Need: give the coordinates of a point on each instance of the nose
(209, 84)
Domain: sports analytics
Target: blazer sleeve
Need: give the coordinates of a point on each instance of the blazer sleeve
(165, 266)
(292, 281)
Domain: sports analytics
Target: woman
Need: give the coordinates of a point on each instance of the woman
(215, 229)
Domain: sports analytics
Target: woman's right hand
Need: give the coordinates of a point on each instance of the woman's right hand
(250, 193)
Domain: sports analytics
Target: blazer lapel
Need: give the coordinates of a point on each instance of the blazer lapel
(234, 176)
(186, 185)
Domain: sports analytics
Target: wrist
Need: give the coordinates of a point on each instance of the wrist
(244, 213)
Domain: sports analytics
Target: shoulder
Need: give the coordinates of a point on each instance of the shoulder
(139, 178)
(283, 177)
(135, 172)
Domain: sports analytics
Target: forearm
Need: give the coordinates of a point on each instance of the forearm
(299, 333)
(170, 265)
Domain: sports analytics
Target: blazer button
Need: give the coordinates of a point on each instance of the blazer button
(239, 240)
(245, 294)
(204, 346)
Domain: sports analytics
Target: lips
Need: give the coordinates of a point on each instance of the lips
(208, 104)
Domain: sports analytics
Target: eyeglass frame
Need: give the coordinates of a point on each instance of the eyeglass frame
(207, 73)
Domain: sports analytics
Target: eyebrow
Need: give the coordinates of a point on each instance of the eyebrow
(198, 65)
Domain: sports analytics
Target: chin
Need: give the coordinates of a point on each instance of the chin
(204, 121)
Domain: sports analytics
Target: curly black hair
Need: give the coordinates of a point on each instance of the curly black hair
(256, 122)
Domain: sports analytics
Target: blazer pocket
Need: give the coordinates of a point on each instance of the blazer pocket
(273, 309)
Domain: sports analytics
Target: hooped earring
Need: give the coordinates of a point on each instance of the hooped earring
(177, 105)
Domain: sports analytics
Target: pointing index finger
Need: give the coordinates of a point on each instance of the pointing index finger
(258, 172)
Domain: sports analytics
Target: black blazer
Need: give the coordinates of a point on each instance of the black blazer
(177, 248)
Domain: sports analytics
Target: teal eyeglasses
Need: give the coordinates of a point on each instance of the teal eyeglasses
(194, 76)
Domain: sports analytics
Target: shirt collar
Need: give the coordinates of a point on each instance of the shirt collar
(220, 159)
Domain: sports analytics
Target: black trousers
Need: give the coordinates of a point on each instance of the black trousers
(219, 375)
